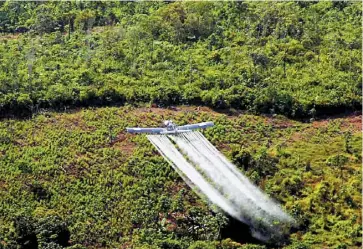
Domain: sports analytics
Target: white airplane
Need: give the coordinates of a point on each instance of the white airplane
(171, 128)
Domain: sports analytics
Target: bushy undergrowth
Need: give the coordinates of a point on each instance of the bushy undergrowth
(108, 188)
(77, 180)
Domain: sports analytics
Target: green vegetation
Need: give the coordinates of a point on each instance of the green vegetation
(70, 177)
(80, 173)
(293, 58)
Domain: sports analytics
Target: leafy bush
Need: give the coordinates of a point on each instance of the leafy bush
(52, 231)
(202, 245)
(25, 235)
(229, 244)
(169, 244)
(253, 247)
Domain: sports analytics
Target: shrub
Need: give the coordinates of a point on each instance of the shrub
(50, 245)
(76, 246)
(229, 244)
(52, 229)
(169, 244)
(202, 245)
(25, 235)
(250, 246)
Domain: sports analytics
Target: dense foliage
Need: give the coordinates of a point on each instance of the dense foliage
(77, 179)
(293, 58)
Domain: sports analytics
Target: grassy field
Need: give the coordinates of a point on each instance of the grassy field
(110, 189)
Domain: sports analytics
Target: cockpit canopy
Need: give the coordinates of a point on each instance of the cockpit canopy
(169, 125)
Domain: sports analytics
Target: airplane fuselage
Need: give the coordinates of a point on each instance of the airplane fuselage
(170, 128)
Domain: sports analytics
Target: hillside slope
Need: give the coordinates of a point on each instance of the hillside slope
(294, 58)
(81, 173)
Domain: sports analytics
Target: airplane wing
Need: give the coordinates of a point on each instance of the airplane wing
(145, 130)
(196, 126)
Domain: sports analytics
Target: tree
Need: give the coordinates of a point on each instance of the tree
(85, 19)
(52, 230)
(25, 234)
(338, 161)
(347, 141)
(44, 21)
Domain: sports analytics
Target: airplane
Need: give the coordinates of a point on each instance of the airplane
(171, 128)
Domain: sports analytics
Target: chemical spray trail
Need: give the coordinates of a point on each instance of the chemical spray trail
(189, 174)
(211, 175)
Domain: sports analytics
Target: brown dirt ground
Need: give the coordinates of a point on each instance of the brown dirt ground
(355, 121)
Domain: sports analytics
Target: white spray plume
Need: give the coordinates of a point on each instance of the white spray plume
(211, 175)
